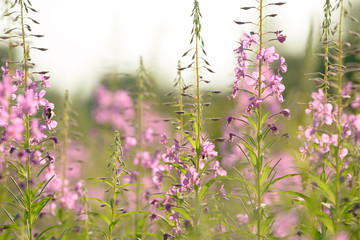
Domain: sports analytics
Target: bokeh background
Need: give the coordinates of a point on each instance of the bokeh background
(91, 42)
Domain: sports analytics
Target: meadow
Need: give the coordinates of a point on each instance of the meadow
(275, 156)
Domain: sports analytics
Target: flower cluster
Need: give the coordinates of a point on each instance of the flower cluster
(264, 55)
(16, 106)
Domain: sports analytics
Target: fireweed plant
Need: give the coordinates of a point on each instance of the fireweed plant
(110, 216)
(190, 162)
(27, 124)
(8, 41)
(261, 67)
(331, 147)
(68, 205)
(131, 112)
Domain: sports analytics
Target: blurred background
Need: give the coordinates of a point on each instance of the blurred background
(87, 39)
(91, 43)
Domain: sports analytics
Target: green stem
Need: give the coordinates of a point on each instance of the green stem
(326, 64)
(141, 77)
(66, 135)
(115, 166)
(259, 132)
(339, 127)
(181, 107)
(27, 128)
(198, 113)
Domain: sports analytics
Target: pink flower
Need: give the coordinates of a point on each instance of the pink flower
(15, 129)
(343, 152)
(35, 130)
(148, 135)
(242, 218)
(222, 192)
(285, 113)
(281, 38)
(342, 236)
(268, 55)
(44, 81)
(282, 65)
(27, 104)
(218, 170)
(284, 224)
(207, 149)
(249, 39)
(356, 102)
(277, 87)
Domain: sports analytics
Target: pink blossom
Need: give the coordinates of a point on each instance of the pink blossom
(356, 102)
(342, 236)
(285, 113)
(268, 55)
(26, 103)
(249, 39)
(222, 192)
(277, 87)
(343, 152)
(218, 170)
(284, 224)
(15, 129)
(281, 38)
(207, 149)
(242, 218)
(282, 65)
(35, 130)
(148, 135)
(44, 81)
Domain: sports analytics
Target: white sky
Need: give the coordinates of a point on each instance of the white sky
(87, 38)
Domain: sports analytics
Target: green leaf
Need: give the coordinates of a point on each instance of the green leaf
(42, 169)
(250, 121)
(17, 186)
(41, 204)
(181, 168)
(247, 184)
(113, 224)
(251, 139)
(9, 216)
(263, 119)
(191, 141)
(62, 234)
(48, 229)
(264, 174)
(43, 188)
(206, 165)
(252, 153)
(99, 215)
(242, 150)
(206, 186)
(278, 179)
(21, 203)
(269, 144)
(99, 200)
(306, 198)
(102, 180)
(182, 212)
(323, 186)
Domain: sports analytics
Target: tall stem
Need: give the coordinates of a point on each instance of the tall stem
(326, 33)
(140, 117)
(66, 135)
(181, 107)
(259, 132)
(198, 113)
(113, 207)
(339, 127)
(27, 128)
